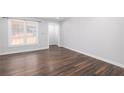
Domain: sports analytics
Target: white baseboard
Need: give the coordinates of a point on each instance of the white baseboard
(97, 57)
(27, 50)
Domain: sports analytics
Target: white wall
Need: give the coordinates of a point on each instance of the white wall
(4, 49)
(102, 38)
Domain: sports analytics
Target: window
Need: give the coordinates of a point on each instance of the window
(22, 32)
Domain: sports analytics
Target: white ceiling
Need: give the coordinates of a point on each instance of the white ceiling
(58, 19)
(55, 19)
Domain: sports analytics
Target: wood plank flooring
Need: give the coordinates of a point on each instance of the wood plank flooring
(55, 62)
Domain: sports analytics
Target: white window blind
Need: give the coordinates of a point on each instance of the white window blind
(22, 32)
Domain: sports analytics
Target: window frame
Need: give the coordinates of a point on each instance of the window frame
(25, 43)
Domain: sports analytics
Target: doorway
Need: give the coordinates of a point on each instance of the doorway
(54, 35)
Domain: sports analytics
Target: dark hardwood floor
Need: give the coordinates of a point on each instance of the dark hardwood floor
(55, 62)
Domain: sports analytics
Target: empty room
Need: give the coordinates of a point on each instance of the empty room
(61, 46)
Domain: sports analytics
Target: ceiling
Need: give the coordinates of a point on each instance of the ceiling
(59, 19)
(55, 19)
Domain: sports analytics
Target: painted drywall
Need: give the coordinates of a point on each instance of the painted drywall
(122, 45)
(0, 37)
(100, 37)
(4, 49)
